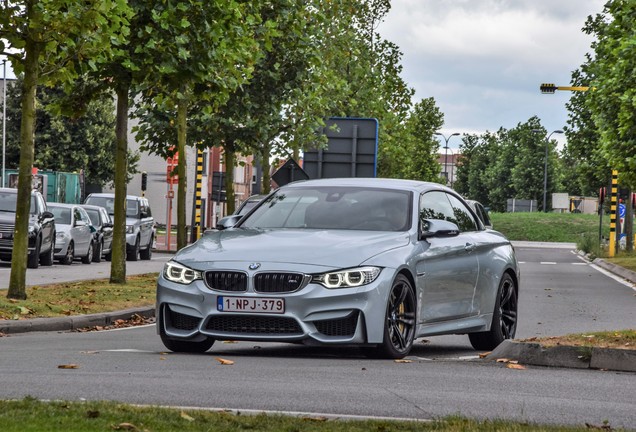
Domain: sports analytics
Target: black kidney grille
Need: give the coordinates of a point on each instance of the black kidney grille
(183, 322)
(338, 327)
(226, 280)
(278, 282)
(254, 325)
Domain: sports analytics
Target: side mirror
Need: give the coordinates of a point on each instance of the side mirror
(80, 223)
(47, 215)
(228, 222)
(437, 228)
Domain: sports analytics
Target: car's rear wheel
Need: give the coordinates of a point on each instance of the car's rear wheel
(48, 258)
(97, 252)
(504, 317)
(399, 322)
(133, 254)
(88, 258)
(146, 254)
(33, 260)
(68, 258)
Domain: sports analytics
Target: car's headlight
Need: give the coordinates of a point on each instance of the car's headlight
(60, 235)
(176, 272)
(347, 278)
(130, 229)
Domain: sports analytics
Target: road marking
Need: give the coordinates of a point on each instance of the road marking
(547, 263)
(613, 276)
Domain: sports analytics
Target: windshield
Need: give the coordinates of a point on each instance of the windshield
(342, 208)
(132, 208)
(8, 202)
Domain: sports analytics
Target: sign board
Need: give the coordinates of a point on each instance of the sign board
(289, 172)
(351, 151)
(171, 169)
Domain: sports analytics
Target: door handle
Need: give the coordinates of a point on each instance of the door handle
(469, 247)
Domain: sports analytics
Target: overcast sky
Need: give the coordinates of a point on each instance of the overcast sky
(483, 60)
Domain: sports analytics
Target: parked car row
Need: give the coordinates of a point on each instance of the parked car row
(67, 232)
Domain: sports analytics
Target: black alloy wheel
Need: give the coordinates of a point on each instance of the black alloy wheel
(399, 326)
(48, 258)
(97, 251)
(504, 318)
(33, 259)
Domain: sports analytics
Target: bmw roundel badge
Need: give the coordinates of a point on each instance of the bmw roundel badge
(254, 266)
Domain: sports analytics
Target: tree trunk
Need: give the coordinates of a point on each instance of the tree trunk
(17, 281)
(182, 112)
(629, 222)
(267, 180)
(118, 263)
(229, 157)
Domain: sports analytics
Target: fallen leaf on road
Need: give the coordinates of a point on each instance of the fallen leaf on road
(503, 360)
(224, 361)
(515, 366)
(68, 366)
(484, 355)
(403, 361)
(230, 342)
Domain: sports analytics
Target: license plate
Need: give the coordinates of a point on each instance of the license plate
(250, 304)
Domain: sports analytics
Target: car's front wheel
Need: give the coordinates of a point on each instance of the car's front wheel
(504, 317)
(133, 254)
(179, 345)
(68, 258)
(399, 322)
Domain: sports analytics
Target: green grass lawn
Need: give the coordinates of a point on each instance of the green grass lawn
(549, 227)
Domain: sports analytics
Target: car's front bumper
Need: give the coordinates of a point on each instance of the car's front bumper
(312, 315)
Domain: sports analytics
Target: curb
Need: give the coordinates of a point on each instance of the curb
(72, 322)
(617, 270)
(565, 356)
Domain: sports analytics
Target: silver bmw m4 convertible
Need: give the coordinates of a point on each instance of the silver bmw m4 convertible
(353, 261)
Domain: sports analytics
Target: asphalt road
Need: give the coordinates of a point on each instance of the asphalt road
(77, 271)
(560, 294)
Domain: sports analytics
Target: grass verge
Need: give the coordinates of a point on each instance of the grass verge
(29, 414)
(619, 339)
(79, 298)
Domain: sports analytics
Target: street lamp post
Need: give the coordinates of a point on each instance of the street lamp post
(4, 115)
(545, 167)
(446, 139)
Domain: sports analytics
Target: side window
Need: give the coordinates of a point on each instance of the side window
(147, 208)
(464, 218)
(77, 215)
(435, 205)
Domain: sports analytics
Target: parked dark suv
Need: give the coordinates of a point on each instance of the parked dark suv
(140, 225)
(41, 228)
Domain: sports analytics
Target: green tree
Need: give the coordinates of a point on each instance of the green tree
(585, 169)
(613, 102)
(82, 143)
(201, 50)
(416, 157)
(46, 41)
(477, 153)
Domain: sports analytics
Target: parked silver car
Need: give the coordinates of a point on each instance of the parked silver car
(103, 235)
(74, 238)
(374, 262)
(140, 225)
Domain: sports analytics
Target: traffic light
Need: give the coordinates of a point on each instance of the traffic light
(144, 180)
(548, 88)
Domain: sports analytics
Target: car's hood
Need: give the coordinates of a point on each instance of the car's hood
(335, 248)
(7, 217)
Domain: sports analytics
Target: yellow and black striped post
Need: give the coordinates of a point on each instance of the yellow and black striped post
(613, 214)
(197, 196)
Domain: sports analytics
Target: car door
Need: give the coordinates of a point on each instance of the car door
(146, 222)
(107, 229)
(447, 268)
(81, 229)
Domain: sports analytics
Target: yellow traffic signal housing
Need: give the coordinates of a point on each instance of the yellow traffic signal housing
(548, 88)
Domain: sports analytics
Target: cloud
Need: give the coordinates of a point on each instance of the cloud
(483, 60)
